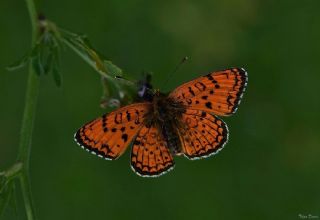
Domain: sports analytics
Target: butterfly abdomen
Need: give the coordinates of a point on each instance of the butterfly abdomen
(171, 137)
(166, 113)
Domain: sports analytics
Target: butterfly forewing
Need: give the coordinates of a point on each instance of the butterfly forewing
(201, 134)
(219, 92)
(109, 135)
(150, 155)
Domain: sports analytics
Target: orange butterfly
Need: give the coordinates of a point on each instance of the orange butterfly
(181, 123)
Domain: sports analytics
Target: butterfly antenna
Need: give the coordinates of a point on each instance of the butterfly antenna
(183, 60)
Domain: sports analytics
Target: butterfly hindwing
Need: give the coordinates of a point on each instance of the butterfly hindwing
(150, 155)
(219, 92)
(109, 135)
(201, 134)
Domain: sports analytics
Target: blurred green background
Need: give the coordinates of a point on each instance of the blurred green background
(268, 170)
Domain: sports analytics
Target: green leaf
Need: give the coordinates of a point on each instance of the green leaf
(81, 45)
(56, 76)
(112, 69)
(19, 63)
(36, 59)
(113, 89)
(35, 50)
(37, 65)
(13, 201)
(49, 63)
(55, 66)
(6, 190)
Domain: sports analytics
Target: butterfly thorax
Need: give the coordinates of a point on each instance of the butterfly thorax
(165, 115)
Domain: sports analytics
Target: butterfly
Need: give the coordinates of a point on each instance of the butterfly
(183, 122)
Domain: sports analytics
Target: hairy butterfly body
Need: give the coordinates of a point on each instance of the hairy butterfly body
(180, 123)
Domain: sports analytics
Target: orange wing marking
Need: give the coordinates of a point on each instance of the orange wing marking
(109, 135)
(219, 92)
(201, 134)
(150, 156)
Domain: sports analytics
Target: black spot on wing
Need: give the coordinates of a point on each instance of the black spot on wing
(209, 76)
(106, 146)
(200, 86)
(209, 105)
(124, 137)
(128, 116)
(191, 91)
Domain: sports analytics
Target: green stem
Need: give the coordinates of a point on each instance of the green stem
(28, 119)
(27, 195)
(33, 19)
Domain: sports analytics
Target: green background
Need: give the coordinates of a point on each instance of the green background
(268, 170)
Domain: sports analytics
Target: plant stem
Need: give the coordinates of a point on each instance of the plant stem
(25, 140)
(28, 119)
(33, 19)
(27, 195)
